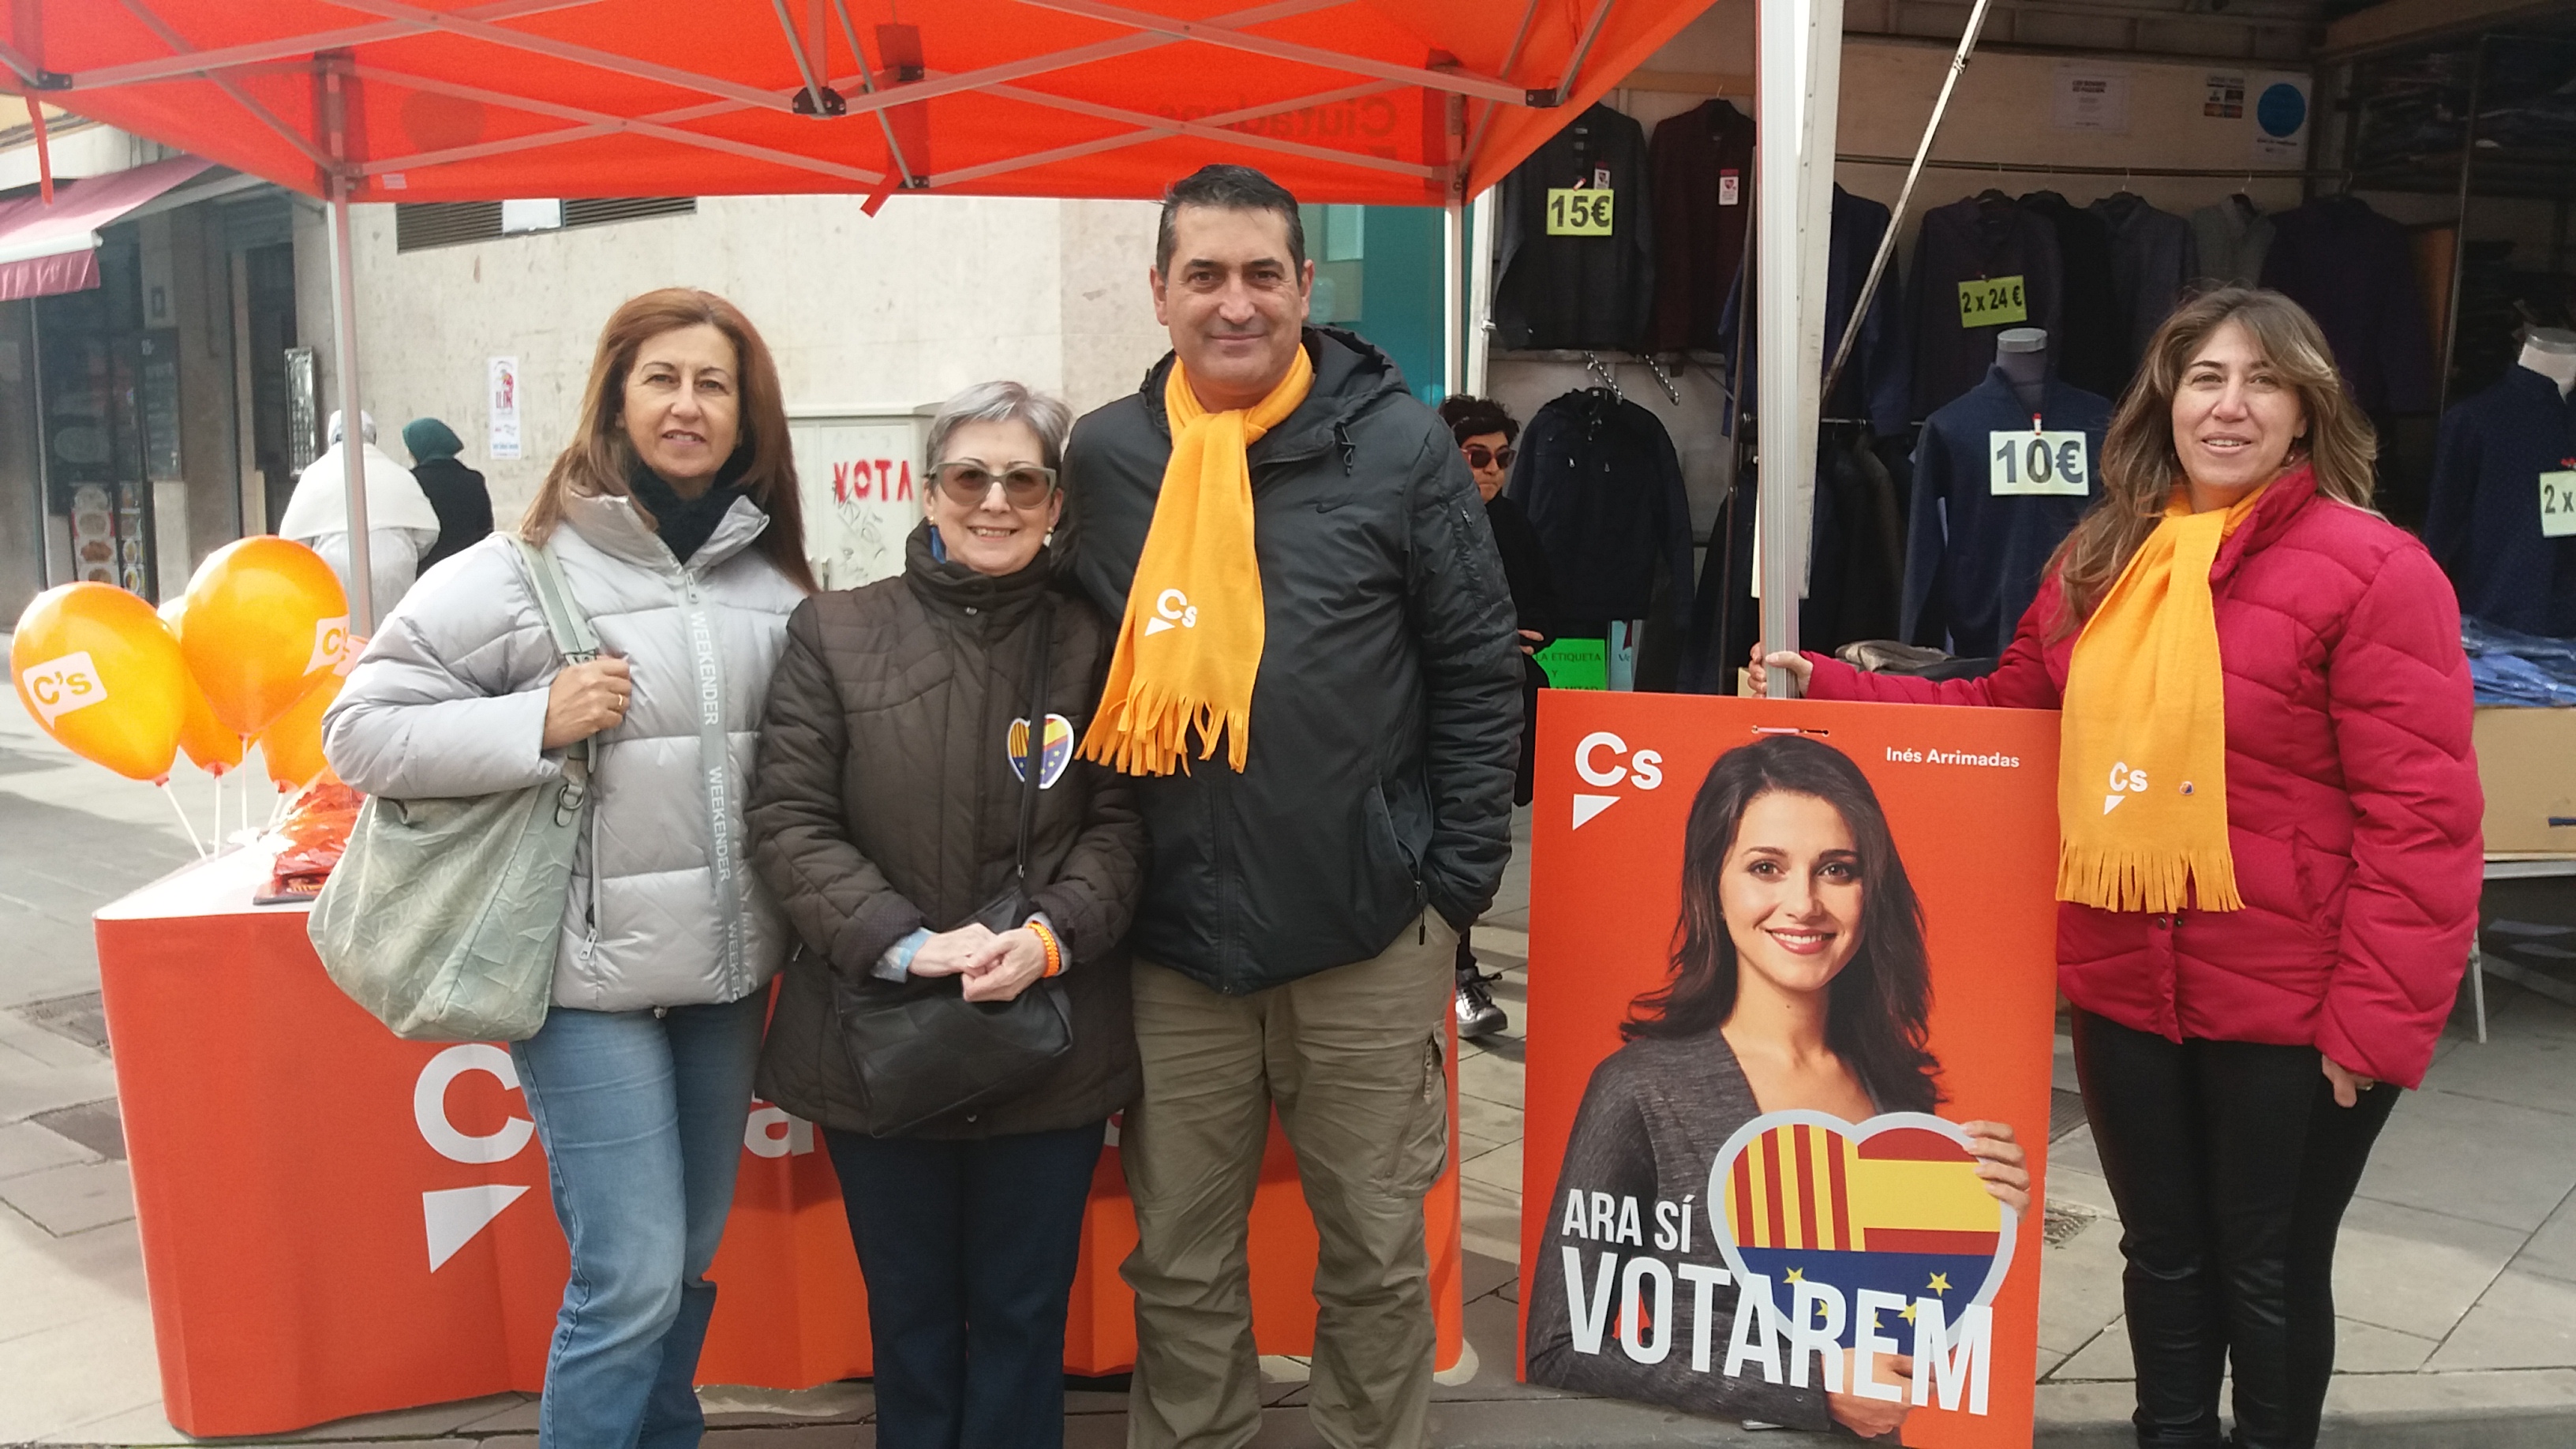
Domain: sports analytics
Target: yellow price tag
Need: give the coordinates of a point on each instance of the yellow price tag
(1992, 302)
(1578, 211)
(2558, 505)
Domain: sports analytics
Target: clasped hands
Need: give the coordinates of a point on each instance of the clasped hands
(996, 966)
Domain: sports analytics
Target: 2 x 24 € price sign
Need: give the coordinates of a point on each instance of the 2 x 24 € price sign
(1993, 302)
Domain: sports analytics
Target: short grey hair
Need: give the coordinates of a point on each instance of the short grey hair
(1003, 402)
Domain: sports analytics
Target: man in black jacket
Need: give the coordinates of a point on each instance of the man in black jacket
(1294, 945)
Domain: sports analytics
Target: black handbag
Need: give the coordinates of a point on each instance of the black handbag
(920, 1050)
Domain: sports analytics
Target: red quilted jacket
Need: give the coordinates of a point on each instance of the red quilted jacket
(2352, 798)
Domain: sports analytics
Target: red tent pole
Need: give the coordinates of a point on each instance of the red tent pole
(44, 153)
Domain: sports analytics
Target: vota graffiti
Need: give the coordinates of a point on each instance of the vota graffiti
(872, 480)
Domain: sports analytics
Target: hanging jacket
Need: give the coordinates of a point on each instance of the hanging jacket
(2483, 521)
(1973, 558)
(1602, 486)
(1702, 163)
(2152, 261)
(1387, 708)
(2354, 271)
(885, 799)
(450, 700)
(1985, 237)
(2352, 798)
(1576, 291)
(1877, 383)
(2089, 348)
(2231, 240)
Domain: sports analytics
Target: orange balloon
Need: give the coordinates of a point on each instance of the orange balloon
(100, 672)
(266, 620)
(291, 746)
(202, 738)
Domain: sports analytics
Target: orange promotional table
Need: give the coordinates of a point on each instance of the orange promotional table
(338, 1222)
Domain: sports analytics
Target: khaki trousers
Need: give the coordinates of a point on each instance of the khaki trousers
(1351, 1058)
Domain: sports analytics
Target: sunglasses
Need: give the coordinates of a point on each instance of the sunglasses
(968, 484)
(1480, 457)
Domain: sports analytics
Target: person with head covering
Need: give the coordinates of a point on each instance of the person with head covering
(401, 526)
(455, 492)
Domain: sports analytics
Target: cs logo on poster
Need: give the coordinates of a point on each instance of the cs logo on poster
(452, 1217)
(1605, 763)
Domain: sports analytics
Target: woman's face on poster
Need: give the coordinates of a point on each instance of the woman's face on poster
(1791, 892)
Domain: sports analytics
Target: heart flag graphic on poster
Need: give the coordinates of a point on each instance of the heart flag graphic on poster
(1059, 750)
(1892, 1205)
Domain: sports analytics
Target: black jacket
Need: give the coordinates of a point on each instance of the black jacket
(1576, 291)
(1982, 238)
(2484, 520)
(463, 505)
(1602, 486)
(1386, 713)
(884, 799)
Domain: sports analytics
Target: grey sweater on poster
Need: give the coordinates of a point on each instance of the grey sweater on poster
(1653, 1118)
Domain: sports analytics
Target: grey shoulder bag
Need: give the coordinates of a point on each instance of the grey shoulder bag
(443, 917)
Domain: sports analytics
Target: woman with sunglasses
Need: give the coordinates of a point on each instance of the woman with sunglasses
(886, 814)
(1485, 433)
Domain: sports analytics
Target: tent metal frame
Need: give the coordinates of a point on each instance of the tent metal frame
(1798, 42)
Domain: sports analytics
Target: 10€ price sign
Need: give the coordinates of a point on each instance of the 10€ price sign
(2042, 464)
(1578, 211)
(1992, 302)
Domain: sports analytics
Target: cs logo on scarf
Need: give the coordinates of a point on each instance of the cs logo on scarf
(1058, 751)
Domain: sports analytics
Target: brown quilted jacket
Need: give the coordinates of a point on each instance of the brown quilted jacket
(884, 800)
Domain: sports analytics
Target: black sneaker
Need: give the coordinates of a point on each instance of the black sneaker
(1478, 1016)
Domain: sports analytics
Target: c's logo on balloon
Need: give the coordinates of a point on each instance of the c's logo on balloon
(59, 686)
(330, 641)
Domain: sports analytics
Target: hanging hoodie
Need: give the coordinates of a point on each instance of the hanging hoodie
(1563, 280)
(1602, 486)
(1993, 497)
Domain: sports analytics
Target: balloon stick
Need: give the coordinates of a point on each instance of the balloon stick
(173, 797)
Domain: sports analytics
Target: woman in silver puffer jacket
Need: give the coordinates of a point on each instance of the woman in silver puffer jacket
(674, 518)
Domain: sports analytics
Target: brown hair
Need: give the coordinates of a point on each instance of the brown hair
(1878, 1011)
(597, 460)
(2140, 467)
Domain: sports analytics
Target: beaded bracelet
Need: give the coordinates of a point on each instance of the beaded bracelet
(1054, 951)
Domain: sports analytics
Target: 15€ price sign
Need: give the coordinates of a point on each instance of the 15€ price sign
(2042, 464)
(1578, 211)
(1992, 302)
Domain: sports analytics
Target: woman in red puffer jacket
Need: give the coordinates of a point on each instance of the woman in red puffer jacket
(2238, 1040)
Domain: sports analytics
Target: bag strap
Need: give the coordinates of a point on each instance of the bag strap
(1033, 761)
(574, 639)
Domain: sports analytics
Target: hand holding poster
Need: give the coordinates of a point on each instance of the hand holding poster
(1792, 977)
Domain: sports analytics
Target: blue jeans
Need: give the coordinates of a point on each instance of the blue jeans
(969, 1247)
(642, 1120)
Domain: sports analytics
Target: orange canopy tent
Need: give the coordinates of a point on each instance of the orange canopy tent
(1355, 101)
(1384, 101)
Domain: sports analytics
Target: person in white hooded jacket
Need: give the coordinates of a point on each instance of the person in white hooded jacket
(401, 526)
(674, 517)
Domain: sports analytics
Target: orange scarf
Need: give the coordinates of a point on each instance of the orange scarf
(2142, 731)
(1189, 646)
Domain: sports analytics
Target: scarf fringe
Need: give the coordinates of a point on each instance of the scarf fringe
(2134, 878)
(1149, 732)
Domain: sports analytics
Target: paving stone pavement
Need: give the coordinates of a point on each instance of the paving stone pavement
(2455, 1288)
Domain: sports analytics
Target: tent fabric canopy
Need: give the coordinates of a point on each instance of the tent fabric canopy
(1349, 101)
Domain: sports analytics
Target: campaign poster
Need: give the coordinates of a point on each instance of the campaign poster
(1789, 961)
